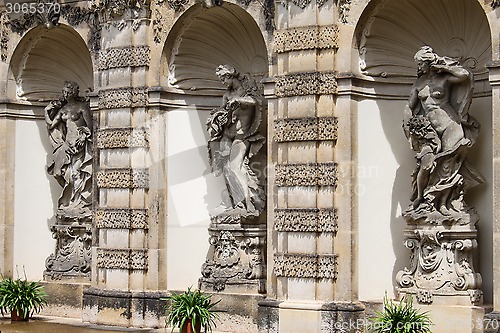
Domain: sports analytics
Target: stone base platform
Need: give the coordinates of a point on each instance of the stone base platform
(65, 299)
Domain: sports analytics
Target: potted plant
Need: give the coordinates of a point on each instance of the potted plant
(190, 311)
(21, 297)
(400, 317)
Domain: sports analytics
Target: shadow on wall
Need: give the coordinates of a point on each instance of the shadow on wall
(391, 114)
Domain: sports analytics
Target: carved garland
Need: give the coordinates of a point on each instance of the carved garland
(343, 6)
(305, 129)
(306, 220)
(123, 98)
(306, 38)
(132, 259)
(123, 178)
(134, 56)
(307, 174)
(121, 219)
(315, 266)
(302, 84)
(110, 138)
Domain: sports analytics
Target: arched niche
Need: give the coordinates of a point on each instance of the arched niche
(44, 59)
(200, 41)
(388, 34)
(204, 38)
(392, 31)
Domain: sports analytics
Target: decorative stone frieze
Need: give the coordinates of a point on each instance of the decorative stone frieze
(306, 174)
(121, 219)
(302, 84)
(343, 6)
(138, 56)
(132, 259)
(305, 129)
(72, 257)
(441, 264)
(177, 5)
(123, 178)
(123, 98)
(109, 138)
(315, 266)
(4, 36)
(306, 38)
(305, 220)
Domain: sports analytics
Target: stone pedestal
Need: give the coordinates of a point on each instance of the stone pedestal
(71, 259)
(236, 257)
(441, 269)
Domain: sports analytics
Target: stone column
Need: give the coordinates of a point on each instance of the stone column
(310, 279)
(125, 250)
(492, 319)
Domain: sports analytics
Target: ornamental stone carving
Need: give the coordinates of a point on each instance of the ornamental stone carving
(235, 142)
(130, 259)
(123, 178)
(441, 263)
(306, 174)
(343, 6)
(441, 231)
(315, 266)
(72, 257)
(132, 56)
(121, 219)
(306, 38)
(236, 260)
(303, 84)
(305, 129)
(69, 124)
(122, 98)
(305, 220)
(109, 138)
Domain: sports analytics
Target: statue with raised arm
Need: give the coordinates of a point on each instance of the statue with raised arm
(234, 140)
(441, 131)
(69, 124)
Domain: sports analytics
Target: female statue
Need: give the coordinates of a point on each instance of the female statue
(69, 123)
(233, 129)
(441, 130)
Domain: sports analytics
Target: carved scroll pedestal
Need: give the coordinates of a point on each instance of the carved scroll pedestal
(236, 257)
(441, 275)
(71, 259)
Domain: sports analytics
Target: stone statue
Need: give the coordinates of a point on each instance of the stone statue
(440, 131)
(69, 123)
(441, 229)
(234, 140)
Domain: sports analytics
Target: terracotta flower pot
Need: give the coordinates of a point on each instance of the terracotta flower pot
(188, 327)
(16, 315)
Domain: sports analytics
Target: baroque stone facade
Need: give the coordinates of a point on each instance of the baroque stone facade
(301, 104)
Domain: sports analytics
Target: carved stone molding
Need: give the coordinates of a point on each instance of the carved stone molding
(315, 266)
(306, 38)
(441, 264)
(123, 98)
(132, 259)
(305, 129)
(302, 84)
(4, 36)
(109, 138)
(132, 56)
(306, 174)
(305, 220)
(123, 178)
(177, 5)
(121, 218)
(495, 4)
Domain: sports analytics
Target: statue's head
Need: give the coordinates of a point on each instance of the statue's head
(226, 71)
(71, 87)
(426, 54)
